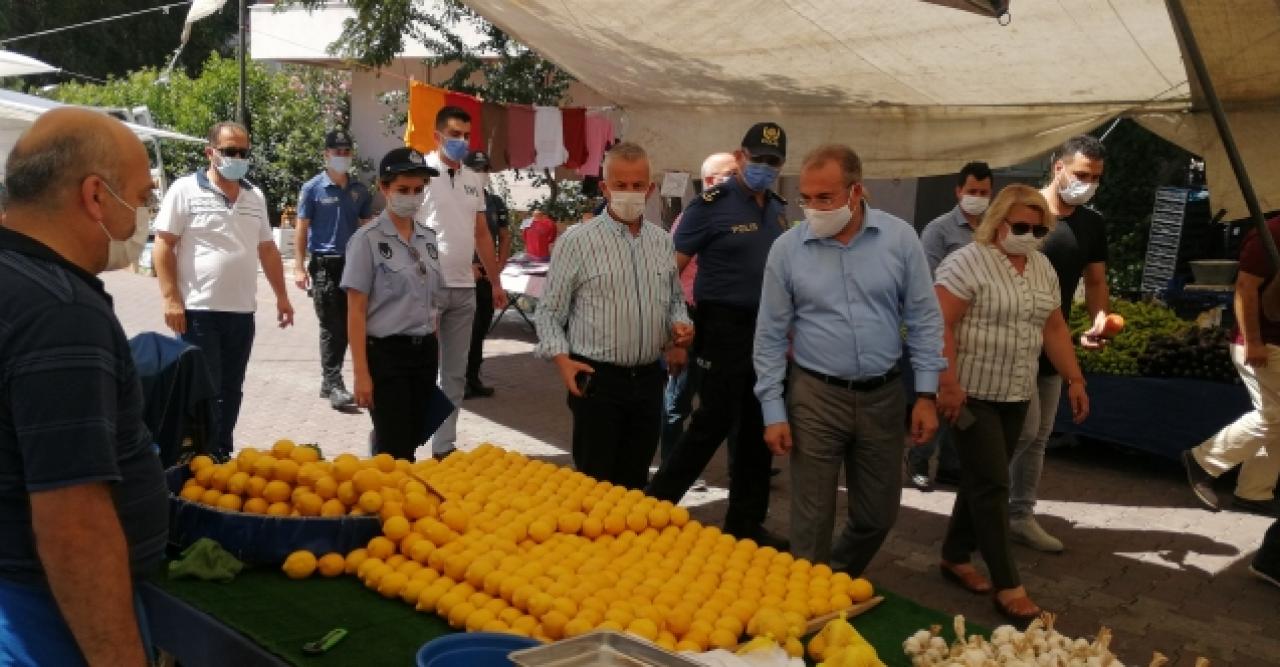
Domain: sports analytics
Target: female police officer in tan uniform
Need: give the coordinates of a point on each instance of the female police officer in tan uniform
(392, 278)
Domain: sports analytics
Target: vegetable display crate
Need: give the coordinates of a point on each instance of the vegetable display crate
(261, 539)
(1161, 416)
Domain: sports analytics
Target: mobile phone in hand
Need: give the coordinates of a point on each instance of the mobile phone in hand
(583, 380)
(966, 419)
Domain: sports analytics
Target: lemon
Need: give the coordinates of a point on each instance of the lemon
(396, 528)
(299, 565)
(331, 565)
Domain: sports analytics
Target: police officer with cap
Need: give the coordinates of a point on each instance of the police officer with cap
(730, 229)
(331, 206)
(497, 217)
(393, 282)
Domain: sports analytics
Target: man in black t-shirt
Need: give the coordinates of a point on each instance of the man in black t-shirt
(1077, 248)
(83, 504)
(497, 217)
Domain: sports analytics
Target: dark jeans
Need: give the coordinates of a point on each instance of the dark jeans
(677, 403)
(227, 341)
(727, 407)
(480, 327)
(403, 370)
(331, 311)
(615, 426)
(980, 516)
(1267, 560)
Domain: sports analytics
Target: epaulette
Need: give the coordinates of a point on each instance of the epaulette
(712, 193)
(774, 195)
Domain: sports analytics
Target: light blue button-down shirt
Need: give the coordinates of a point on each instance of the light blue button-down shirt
(845, 306)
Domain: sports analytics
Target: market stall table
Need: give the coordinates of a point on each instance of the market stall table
(264, 618)
(1161, 416)
(522, 280)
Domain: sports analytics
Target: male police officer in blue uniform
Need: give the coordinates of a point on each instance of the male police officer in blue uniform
(730, 230)
(331, 206)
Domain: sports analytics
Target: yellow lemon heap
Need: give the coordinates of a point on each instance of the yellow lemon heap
(530, 548)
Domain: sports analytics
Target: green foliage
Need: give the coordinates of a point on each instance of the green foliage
(115, 47)
(1155, 342)
(1137, 163)
(290, 111)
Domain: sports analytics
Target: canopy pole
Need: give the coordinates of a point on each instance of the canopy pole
(242, 115)
(1271, 295)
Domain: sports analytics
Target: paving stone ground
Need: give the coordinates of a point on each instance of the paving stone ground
(1142, 557)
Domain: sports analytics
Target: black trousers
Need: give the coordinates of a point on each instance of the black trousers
(727, 409)
(616, 425)
(403, 370)
(331, 311)
(480, 327)
(980, 515)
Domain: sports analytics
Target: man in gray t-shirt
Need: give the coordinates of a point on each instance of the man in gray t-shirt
(941, 237)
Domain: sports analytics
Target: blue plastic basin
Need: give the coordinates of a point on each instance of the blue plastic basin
(472, 649)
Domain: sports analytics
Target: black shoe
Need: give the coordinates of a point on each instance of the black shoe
(921, 482)
(341, 399)
(1260, 570)
(476, 389)
(1263, 507)
(440, 456)
(1201, 482)
(947, 478)
(766, 538)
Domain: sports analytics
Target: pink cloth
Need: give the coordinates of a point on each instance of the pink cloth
(599, 134)
(690, 270)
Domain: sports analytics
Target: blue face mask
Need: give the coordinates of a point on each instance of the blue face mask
(759, 176)
(456, 149)
(233, 168)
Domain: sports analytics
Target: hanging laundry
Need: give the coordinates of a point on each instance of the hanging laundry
(472, 106)
(599, 135)
(520, 146)
(424, 102)
(574, 120)
(548, 138)
(494, 119)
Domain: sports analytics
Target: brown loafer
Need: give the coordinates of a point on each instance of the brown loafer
(970, 581)
(1021, 611)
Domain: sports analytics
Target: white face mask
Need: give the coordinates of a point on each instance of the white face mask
(120, 254)
(404, 204)
(974, 205)
(1020, 244)
(627, 206)
(825, 224)
(1076, 193)
(338, 163)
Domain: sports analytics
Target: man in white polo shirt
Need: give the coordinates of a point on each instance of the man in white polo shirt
(211, 233)
(454, 209)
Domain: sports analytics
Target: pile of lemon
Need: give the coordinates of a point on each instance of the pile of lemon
(292, 480)
(527, 547)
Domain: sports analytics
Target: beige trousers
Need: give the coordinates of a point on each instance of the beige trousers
(1253, 440)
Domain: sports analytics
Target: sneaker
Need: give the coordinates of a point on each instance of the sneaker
(1027, 531)
(921, 482)
(699, 485)
(1262, 507)
(1201, 482)
(1256, 570)
(340, 399)
(325, 390)
(476, 389)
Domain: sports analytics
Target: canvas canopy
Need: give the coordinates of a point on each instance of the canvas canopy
(16, 64)
(18, 111)
(917, 88)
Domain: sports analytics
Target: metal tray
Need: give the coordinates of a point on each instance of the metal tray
(602, 648)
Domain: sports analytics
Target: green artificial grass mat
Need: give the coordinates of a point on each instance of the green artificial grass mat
(281, 615)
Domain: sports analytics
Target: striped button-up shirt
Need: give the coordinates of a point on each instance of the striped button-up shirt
(998, 340)
(610, 296)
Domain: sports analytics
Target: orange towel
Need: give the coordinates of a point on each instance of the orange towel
(424, 102)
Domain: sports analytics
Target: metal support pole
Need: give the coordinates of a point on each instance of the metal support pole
(242, 115)
(1271, 295)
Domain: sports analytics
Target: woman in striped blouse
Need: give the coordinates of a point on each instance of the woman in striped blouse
(1000, 303)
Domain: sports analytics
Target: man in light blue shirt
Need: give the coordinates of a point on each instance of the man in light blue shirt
(839, 288)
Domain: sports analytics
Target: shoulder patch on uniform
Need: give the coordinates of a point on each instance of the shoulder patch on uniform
(712, 193)
(384, 249)
(780, 198)
(431, 250)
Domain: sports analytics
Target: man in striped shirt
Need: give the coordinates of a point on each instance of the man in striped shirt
(612, 305)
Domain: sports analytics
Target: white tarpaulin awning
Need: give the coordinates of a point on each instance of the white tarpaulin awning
(16, 64)
(18, 111)
(915, 87)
